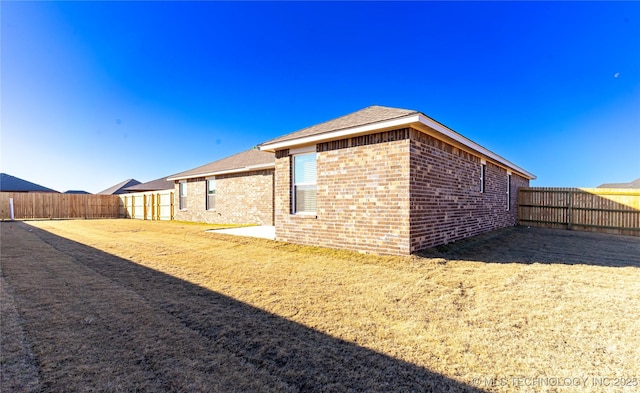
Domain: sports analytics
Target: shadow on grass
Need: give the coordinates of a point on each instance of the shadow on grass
(541, 245)
(167, 334)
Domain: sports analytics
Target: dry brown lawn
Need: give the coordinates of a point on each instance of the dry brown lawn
(128, 305)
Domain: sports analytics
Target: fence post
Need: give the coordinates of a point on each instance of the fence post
(569, 211)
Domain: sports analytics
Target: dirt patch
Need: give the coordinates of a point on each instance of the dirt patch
(133, 305)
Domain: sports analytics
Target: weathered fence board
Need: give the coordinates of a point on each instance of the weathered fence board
(590, 209)
(152, 205)
(36, 205)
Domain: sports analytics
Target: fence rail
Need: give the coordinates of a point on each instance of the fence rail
(35, 205)
(606, 210)
(156, 205)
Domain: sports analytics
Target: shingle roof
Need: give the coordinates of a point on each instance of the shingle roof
(10, 183)
(241, 162)
(368, 115)
(632, 184)
(119, 188)
(375, 119)
(153, 185)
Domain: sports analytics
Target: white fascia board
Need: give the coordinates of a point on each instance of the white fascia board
(347, 132)
(472, 145)
(390, 124)
(230, 171)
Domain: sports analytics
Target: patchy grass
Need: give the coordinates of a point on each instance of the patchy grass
(498, 312)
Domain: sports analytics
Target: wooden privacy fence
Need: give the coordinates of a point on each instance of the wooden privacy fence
(156, 205)
(606, 210)
(34, 205)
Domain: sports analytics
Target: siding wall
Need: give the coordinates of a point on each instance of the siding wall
(241, 198)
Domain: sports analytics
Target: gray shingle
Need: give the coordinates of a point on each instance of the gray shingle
(119, 188)
(369, 115)
(10, 183)
(238, 161)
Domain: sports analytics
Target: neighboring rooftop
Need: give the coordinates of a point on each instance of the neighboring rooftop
(248, 160)
(77, 192)
(119, 188)
(10, 183)
(631, 184)
(153, 185)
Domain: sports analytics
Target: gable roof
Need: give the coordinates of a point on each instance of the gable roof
(631, 184)
(369, 115)
(379, 118)
(153, 185)
(119, 188)
(249, 160)
(10, 183)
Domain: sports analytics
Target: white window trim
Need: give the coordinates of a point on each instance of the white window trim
(301, 152)
(207, 180)
(508, 190)
(483, 175)
(182, 186)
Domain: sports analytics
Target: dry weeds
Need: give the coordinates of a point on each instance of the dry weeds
(500, 312)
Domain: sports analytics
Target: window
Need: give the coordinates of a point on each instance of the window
(304, 183)
(483, 172)
(508, 191)
(211, 194)
(183, 195)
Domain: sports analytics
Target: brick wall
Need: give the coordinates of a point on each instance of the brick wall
(362, 199)
(241, 198)
(446, 199)
(395, 192)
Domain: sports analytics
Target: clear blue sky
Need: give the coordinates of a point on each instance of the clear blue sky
(95, 93)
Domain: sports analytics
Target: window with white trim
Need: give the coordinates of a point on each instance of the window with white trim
(483, 174)
(211, 194)
(182, 190)
(304, 183)
(508, 191)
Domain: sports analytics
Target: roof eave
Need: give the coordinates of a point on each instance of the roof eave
(449, 133)
(249, 168)
(416, 120)
(342, 133)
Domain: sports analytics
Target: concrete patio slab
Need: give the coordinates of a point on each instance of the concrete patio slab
(262, 231)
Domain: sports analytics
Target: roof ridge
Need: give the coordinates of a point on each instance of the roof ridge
(348, 120)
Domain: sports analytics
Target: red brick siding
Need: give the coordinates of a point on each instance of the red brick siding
(241, 198)
(395, 195)
(446, 202)
(362, 200)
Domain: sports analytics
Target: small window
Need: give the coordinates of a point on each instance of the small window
(483, 172)
(304, 183)
(211, 194)
(508, 191)
(183, 195)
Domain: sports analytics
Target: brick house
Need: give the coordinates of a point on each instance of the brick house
(234, 190)
(389, 181)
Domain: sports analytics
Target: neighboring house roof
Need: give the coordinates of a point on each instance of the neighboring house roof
(631, 184)
(381, 118)
(250, 160)
(76, 192)
(10, 183)
(119, 188)
(153, 185)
